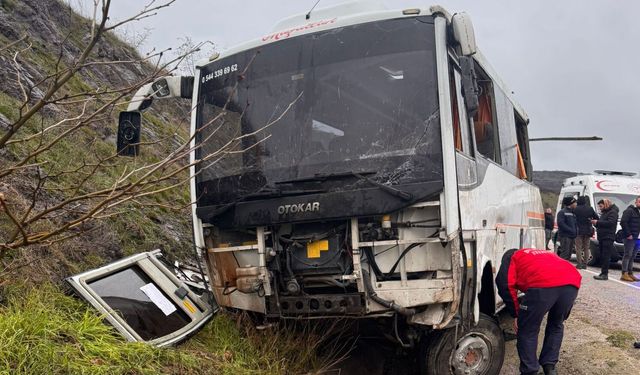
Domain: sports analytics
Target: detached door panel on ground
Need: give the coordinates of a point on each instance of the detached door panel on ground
(144, 300)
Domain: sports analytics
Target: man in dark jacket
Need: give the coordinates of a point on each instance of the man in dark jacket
(630, 223)
(606, 230)
(551, 286)
(567, 227)
(584, 214)
(548, 227)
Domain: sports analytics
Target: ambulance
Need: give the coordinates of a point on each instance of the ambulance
(621, 188)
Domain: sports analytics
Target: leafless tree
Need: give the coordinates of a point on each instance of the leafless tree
(192, 52)
(56, 178)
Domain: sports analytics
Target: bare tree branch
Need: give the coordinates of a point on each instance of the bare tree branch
(17, 41)
(148, 11)
(15, 221)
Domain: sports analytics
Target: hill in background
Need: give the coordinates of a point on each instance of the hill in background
(550, 183)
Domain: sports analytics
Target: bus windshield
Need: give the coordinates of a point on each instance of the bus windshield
(358, 99)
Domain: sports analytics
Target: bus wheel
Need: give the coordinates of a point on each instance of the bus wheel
(479, 351)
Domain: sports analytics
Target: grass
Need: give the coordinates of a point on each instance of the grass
(43, 331)
(8, 106)
(620, 338)
(8, 5)
(286, 349)
(138, 230)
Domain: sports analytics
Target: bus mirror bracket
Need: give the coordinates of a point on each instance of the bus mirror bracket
(469, 84)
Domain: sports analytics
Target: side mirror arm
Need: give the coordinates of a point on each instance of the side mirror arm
(161, 88)
(141, 100)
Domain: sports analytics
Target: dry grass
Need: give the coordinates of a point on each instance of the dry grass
(620, 339)
(289, 348)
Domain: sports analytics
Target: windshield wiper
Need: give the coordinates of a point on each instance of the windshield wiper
(391, 190)
(323, 177)
(270, 192)
(359, 175)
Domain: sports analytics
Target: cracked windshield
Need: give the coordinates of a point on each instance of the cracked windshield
(311, 106)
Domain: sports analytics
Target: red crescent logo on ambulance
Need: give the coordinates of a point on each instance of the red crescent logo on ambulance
(606, 185)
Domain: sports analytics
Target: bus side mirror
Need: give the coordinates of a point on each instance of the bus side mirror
(469, 84)
(128, 133)
(464, 34)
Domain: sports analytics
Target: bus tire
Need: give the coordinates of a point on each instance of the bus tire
(479, 351)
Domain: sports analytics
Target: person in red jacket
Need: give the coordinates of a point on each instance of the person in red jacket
(550, 285)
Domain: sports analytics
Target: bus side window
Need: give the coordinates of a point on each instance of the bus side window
(525, 170)
(484, 121)
(455, 116)
(461, 132)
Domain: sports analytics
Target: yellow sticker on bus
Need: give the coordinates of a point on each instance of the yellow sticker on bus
(314, 248)
(189, 306)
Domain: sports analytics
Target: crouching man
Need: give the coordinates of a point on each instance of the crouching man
(550, 285)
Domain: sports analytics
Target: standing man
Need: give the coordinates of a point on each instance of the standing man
(584, 214)
(567, 227)
(606, 230)
(630, 223)
(551, 286)
(548, 226)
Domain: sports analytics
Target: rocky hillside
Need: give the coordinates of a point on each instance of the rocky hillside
(551, 181)
(37, 39)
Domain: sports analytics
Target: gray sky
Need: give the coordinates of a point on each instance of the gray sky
(572, 64)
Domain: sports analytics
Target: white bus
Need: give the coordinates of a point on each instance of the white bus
(375, 166)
